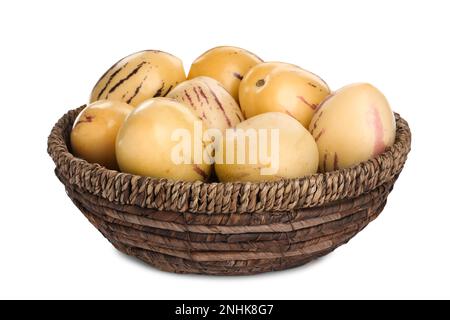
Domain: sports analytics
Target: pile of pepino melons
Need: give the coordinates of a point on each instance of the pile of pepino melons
(234, 118)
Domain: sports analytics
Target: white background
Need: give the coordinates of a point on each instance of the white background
(52, 53)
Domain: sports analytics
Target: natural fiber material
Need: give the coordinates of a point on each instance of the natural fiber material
(227, 228)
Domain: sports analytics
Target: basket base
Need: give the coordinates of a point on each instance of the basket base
(176, 264)
(244, 267)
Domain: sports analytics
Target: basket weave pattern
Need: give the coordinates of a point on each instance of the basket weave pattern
(227, 228)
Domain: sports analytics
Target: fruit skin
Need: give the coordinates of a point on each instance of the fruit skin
(281, 87)
(298, 154)
(144, 144)
(210, 101)
(139, 77)
(225, 64)
(94, 132)
(353, 125)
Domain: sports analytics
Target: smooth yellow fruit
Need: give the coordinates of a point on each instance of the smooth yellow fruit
(228, 65)
(353, 125)
(281, 87)
(210, 101)
(144, 144)
(139, 77)
(295, 149)
(95, 129)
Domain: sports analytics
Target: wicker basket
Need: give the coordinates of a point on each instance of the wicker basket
(227, 228)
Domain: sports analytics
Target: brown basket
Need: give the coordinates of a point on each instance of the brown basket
(227, 228)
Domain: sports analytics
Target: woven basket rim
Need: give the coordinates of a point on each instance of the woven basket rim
(309, 191)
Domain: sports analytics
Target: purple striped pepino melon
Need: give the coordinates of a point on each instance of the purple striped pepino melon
(226, 64)
(210, 101)
(149, 143)
(352, 125)
(138, 77)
